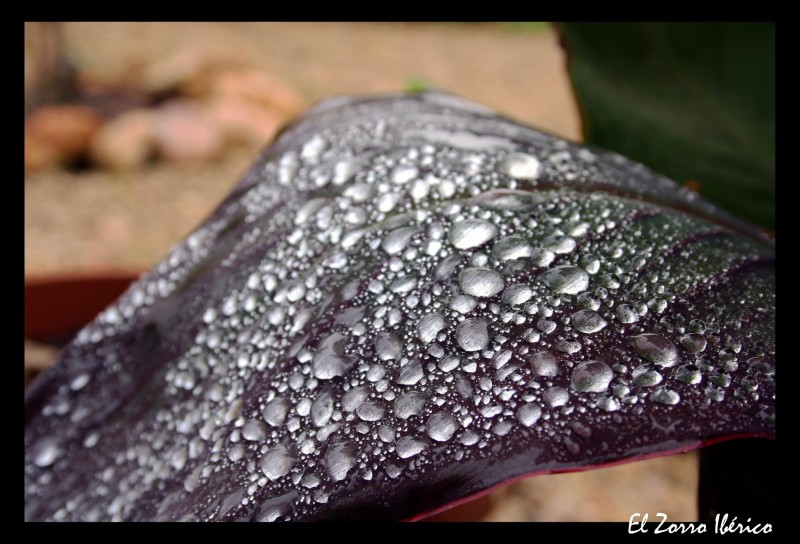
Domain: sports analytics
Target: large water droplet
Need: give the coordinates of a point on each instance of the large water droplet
(555, 397)
(388, 346)
(472, 334)
(322, 409)
(591, 377)
(694, 342)
(520, 166)
(471, 233)
(277, 462)
(665, 396)
(570, 280)
(429, 326)
(544, 363)
(330, 360)
(529, 414)
(340, 460)
(409, 404)
(398, 239)
(656, 349)
(588, 321)
(441, 426)
(275, 411)
(353, 398)
(408, 446)
(403, 174)
(254, 431)
(517, 294)
(463, 304)
(410, 374)
(370, 411)
(480, 281)
(45, 451)
(512, 247)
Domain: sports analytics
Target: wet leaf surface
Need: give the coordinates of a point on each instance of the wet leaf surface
(406, 301)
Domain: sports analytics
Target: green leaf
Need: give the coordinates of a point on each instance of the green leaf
(693, 101)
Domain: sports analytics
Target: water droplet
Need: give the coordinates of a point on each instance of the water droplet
(340, 460)
(254, 431)
(528, 414)
(429, 326)
(277, 462)
(275, 412)
(588, 321)
(517, 294)
(656, 349)
(569, 280)
(408, 446)
(397, 240)
(441, 426)
(330, 360)
(410, 374)
(555, 397)
(646, 377)
(463, 303)
(512, 247)
(403, 174)
(388, 346)
(409, 404)
(472, 334)
(370, 411)
(520, 166)
(591, 377)
(560, 244)
(353, 398)
(688, 374)
(626, 314)
(480, 282)
(322, 409)
(542, 257)
(608, 404)
(45, 451)
(471, 233)
(544, 364)
(665, 396)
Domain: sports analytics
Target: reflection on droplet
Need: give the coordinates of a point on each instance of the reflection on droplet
(520, 166)
(656, 349)
(471, 233)
(529, 414)
(277, 462)
(441, 426)
(480, 281)
(544, 363)
(591, 377)
(569, 280)
(588, 321)
(472, 334)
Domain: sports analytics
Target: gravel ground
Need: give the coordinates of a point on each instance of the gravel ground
(101, 221)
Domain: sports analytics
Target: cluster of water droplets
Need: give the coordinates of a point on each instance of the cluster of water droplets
(388, 294)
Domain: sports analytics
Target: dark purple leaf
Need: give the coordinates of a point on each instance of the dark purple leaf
(406, 301)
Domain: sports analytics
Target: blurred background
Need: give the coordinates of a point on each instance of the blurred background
(135, 132)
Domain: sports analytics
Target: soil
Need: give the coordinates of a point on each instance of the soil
(83, 222)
